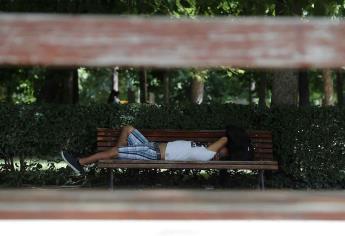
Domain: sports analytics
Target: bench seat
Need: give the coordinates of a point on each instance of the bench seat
(234, 165)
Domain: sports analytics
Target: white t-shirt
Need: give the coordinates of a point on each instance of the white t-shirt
(187, 151)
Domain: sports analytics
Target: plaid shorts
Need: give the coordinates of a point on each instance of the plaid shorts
(139, 148)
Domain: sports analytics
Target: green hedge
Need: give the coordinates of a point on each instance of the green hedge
(308, 143)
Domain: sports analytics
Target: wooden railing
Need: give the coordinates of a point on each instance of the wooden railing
(171, 204)
(162, 42)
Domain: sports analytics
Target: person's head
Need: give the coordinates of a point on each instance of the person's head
(239, 145)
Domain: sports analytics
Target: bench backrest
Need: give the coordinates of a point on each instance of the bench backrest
(261, 140)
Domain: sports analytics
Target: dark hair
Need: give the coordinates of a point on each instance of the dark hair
(239, 144)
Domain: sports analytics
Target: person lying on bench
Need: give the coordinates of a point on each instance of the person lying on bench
(132, 145)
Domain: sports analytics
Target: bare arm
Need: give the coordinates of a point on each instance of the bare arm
(218, 145)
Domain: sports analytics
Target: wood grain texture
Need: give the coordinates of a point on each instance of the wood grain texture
(61, 40)
(233, 165)
(171, 204)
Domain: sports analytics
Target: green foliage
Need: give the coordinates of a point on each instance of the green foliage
(309, 143)
(19, 85)
(94, 85)
(228, 85)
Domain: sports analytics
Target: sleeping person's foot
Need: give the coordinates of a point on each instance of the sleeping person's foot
(72, 162)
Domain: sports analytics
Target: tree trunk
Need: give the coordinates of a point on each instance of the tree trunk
(284, 87)
(303, 88)
(60, 86)
(284, 83)
(130, 91)
(197, 91)
(340, 87)
(280, 7)
(163, 75)
(6, 74)
(8, 93)
(130, 95)
(166, 90)
(251, 89)
(143, 86)
(70, 88)
(152, 98)
(115, 79)
(261, 90)
(114, 94)
(75, 86)
(327, 87)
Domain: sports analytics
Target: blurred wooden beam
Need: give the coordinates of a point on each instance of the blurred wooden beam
(171, 204)
(65, 40)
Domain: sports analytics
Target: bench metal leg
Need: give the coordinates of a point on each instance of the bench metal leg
(111, 179)
(261, 179)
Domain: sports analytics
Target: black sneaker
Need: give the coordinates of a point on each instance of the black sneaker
(72, 162)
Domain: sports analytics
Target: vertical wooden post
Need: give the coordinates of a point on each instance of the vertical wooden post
(111, 179)
(261, 179)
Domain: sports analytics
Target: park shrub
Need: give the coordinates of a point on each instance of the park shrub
(309, 143)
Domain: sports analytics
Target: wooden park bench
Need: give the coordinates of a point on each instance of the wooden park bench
(261, 140)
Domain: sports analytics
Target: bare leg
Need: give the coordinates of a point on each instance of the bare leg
(110, 153)
(125, 132)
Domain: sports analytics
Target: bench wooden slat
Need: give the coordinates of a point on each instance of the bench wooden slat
(111, 141)
(169, 139)
(136, 164)
(185, 133)
(164, 132)
(257, 148)
(258, 155)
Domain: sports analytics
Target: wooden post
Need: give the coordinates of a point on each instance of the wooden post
(111, 179)
(262, 179)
